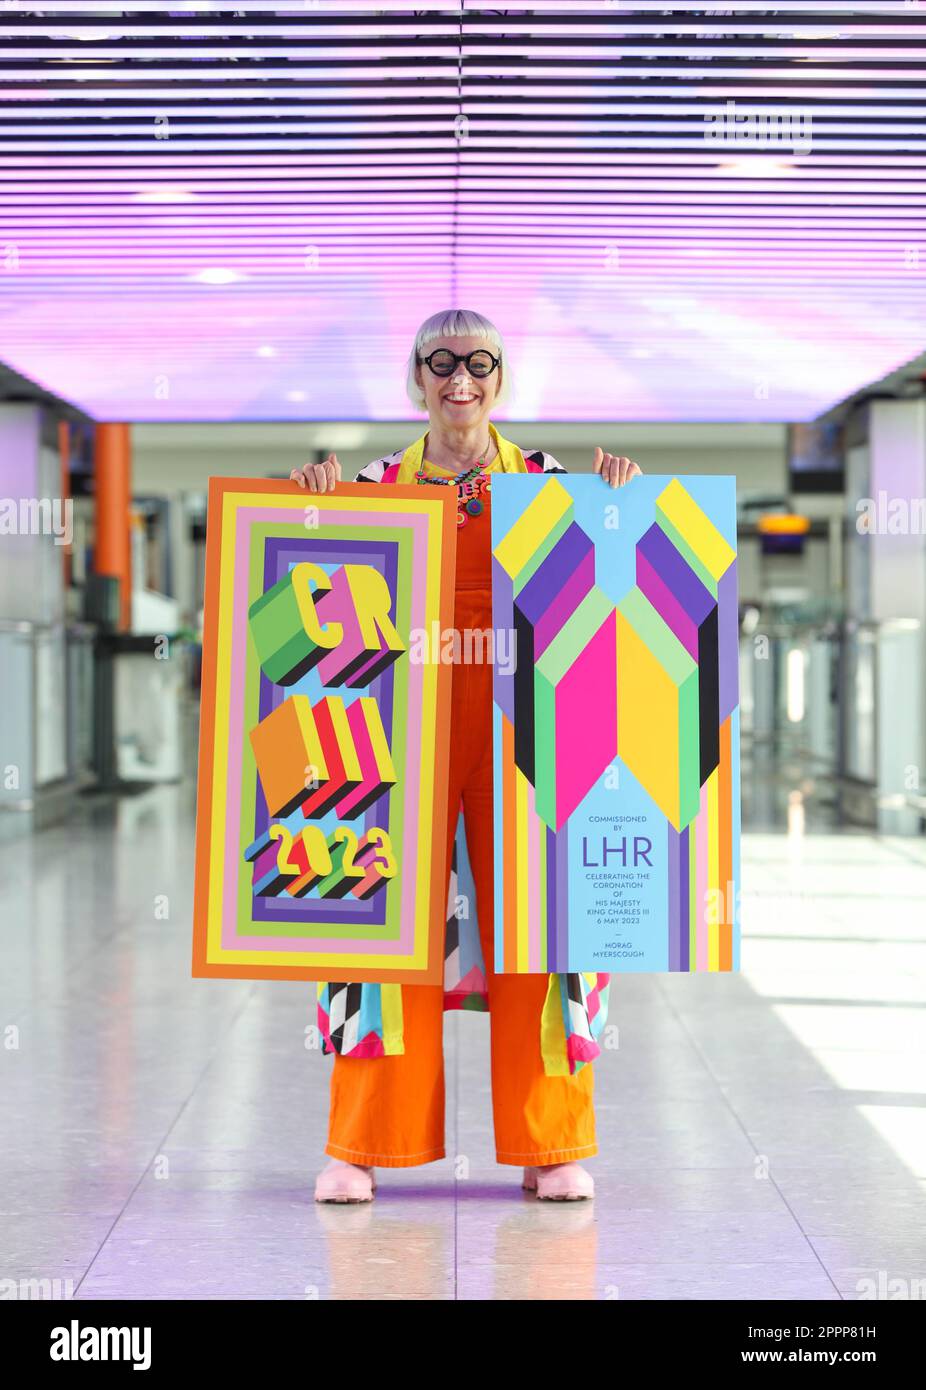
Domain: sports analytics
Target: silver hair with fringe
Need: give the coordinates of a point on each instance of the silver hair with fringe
(456, 323)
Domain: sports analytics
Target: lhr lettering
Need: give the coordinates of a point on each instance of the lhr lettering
(641, 849)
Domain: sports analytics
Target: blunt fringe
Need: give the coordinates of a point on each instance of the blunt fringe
(456, 323)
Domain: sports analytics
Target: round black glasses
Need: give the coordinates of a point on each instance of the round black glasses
(443, 362)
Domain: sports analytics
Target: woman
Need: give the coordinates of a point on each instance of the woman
(388, 1111)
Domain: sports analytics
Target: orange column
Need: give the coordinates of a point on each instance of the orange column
(112, 467)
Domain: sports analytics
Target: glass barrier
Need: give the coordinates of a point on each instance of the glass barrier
(846, 698)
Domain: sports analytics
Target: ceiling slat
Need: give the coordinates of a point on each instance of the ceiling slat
(671, 213)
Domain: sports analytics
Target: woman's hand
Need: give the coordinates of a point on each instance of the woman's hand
(614, 470)
(318, 477)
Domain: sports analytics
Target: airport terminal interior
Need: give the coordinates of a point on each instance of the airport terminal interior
(760, 1134)
(238, 300)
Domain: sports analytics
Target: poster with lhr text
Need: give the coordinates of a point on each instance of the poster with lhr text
(616, 727)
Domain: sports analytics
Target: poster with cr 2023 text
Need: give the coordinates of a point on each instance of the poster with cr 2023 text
(616, 728)
(320, 838)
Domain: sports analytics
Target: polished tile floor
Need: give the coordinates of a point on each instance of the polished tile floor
(762, 1136)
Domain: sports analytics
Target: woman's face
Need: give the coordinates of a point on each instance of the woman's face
(459, 400)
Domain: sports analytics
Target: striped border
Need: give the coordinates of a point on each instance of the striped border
(531, 884)
(221, 616)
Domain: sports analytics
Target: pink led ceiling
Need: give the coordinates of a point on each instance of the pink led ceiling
(244, 214)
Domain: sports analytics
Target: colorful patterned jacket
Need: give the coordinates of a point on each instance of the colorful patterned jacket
(365, 1020)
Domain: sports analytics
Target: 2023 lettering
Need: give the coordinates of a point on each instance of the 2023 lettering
(339, 625)
(335, 866)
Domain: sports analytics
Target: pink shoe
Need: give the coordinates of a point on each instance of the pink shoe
(344, 1182)
(559, 1182)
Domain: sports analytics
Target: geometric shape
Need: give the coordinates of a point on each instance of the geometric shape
(374, 860)
(528, 542)
(708, 697)
(279, 556)
(707, 551)
(572, 750)
(558, 586)
(258, 749)
(672, 587)
(714, 905)
(287, 635)
(728, 642)
(377, 772)
(506, 920)
(309, 854)
(344, 873)
(621, 857)
(727, 880)
(657, 703)
(342, 762)
(557, 887)
(358, 602)
(701, 832)
(264, 854)
(286, 744)
(689, 610)
(503, 621)
(524, 675)
(678, 897)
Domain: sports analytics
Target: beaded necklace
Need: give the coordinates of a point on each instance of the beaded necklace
(469, 485)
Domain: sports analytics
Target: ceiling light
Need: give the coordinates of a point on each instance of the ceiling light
(759, 168)
(217, 275)
(164, 195)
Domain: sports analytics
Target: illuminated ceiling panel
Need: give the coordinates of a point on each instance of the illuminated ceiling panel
(671, 214)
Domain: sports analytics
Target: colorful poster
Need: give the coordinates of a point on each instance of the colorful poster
(616, 733)
(321, 820)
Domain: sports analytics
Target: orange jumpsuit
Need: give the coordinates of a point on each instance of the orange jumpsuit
(388, 1111)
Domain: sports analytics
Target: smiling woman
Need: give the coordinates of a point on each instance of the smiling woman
(456, 324)
(387, 1105)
